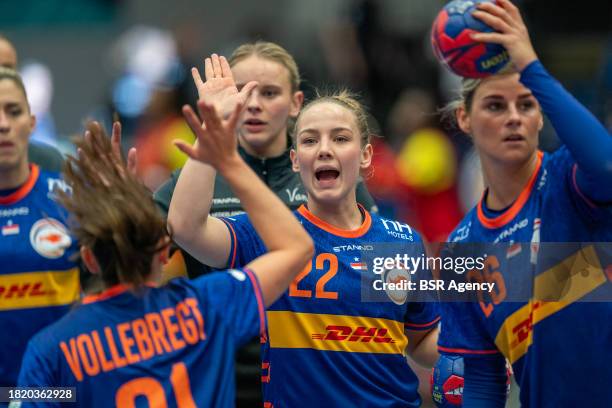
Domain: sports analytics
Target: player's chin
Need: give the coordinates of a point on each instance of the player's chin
(515, 153)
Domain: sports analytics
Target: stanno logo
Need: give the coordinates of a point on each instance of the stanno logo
(361, 334)
(509, 231)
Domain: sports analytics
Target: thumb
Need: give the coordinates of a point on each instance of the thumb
(186, 148)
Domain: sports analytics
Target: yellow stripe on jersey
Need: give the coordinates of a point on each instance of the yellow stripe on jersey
(567, 282)
(336, 332)
(39, 289)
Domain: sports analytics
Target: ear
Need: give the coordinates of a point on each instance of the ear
(541, 122)
(295, 164)
(463, 120)
(164, 254)
(297, 100)
(90, 261)
(32, 123)
(366, 156)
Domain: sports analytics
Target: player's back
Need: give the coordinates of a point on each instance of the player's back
(166, 347)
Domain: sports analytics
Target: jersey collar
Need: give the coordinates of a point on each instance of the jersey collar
(515, 208)
(25, 188)
(112, 292)
(356, 233)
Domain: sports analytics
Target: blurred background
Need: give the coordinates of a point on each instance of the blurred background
(100, 59)
(130, 59)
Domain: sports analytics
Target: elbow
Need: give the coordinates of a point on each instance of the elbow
(179, 228)
(307, 248)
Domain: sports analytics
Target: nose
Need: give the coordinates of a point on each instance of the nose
(4, 122)
(514, 116)
(325, 150)
(253, 103)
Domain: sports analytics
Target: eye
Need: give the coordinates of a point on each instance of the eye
(16, 111)
(308, 141)
(269, 93)
(527, 105)
(342, 138)
(494, 106)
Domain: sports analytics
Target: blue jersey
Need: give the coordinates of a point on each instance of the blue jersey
(171, 346)
(325, 345)
(38, 277)
(560, 350)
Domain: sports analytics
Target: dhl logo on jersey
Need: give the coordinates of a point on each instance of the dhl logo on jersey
(335, 332)
(567, 282)
(39, 289)
(346, 333)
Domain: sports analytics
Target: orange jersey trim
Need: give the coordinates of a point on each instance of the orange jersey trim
(25, 189)
(232, 258)
(356, 233)
(515, 208)
(422, 325)
(112, 292)
(467, 351)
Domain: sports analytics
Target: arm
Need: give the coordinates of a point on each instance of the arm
(289, 246)
(585, 137)
(204, 237)
(423, 346)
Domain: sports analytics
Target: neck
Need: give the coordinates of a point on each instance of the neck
(344, 215)
(273, 149)
(506, 182)
(14, 177)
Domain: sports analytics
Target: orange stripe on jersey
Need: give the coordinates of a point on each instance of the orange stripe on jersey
(467, 351)
(25, 189)
(582, 273)
(409, 326)
(112, 292)
(511, 212)
(336, 332)
(232, 259)
(39, 289)
(356, 233)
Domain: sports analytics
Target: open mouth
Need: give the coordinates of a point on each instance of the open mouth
(514, 138)
(254, 122)
(327, 174)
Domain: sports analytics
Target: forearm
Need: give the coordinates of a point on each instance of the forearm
(585, 137)
(425, 352)
(191, 200)
(273, 221)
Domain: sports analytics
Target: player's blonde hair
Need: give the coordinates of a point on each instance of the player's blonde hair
(12, 75)
(347, 100)
(270, 51)
(113, 213)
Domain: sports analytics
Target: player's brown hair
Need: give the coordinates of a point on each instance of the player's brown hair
(112, 212)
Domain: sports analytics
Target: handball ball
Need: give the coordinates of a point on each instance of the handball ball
(446, 382)
(453, 46)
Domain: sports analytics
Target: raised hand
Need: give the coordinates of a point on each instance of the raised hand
(132, 159)
(511, 32)
(215, 144)
(220, 88)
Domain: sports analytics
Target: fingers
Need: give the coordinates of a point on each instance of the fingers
(246, 90)
(232, 122)
(186, 148)
(208, 69)
(132, 162)
(116, 140)
(192, 120)
(197, 79)
(216, 65)
(209, 115)
(494, 21)
(226, 70)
